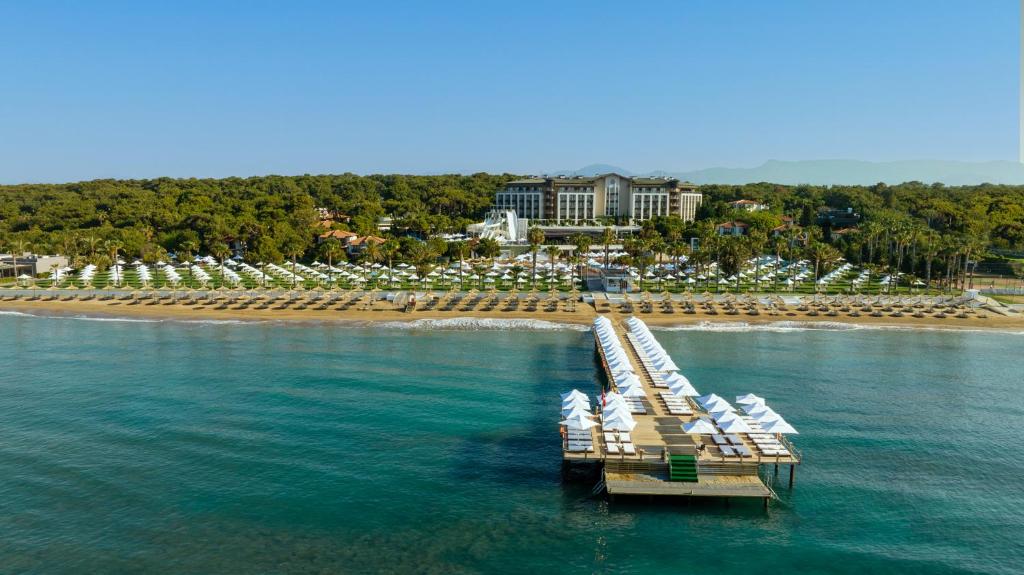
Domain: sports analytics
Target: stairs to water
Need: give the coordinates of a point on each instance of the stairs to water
(682, 468)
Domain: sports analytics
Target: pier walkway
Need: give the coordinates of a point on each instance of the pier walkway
(663, 458)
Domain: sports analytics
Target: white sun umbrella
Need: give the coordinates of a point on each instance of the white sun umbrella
(576, 411)
(779, 426)
(749, 400)
(579, 422)
(723, 416)
(734, 426)
(574, 403)
(634, 391)
(681, 388)
(709, 398)
(666, 364)
(574, 393)
(618, 423)
(626, 379)
(699, 426)
(764, 414)
(675, 377)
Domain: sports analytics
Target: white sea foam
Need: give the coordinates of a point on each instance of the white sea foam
(800, 326)
(475, 324)
(110, 319)
(16, 313)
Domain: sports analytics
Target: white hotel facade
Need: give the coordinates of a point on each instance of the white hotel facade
(573, 199)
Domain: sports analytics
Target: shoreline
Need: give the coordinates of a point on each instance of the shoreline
(582, 315)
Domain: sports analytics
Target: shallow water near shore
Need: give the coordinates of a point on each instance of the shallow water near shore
(265, 447)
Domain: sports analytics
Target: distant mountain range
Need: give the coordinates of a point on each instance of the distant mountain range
(840, 172)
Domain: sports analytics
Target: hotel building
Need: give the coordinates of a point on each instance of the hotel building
(576, 199)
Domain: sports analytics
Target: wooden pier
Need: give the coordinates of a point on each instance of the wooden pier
(667, 461)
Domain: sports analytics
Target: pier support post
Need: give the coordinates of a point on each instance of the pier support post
(766, 504)
(776, 470)
(792, 469)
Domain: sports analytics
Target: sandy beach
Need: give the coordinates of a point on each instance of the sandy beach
(564, 312)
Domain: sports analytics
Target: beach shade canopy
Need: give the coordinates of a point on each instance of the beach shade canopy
(575, 402)
(779, 426)
(764, 414)
(574, 393)
(683, 388)
(576, 411)
(675, 377)
(665, 364)
(699, 426)
(579, 422)
(724, 415)
(626, 379)
(634, 391)
(619, 424)
(619, 408)
(734, 426)
(710, 398)
(749, 399)
(717, 405)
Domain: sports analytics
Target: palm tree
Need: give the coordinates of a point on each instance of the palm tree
(823, 256)
(91, 243)
(460, 250)
(756, 241)
(331, 248)
(220, 250)
(536, 237)
(294, 246)
(389, 250)
(607, 237)
(582, 244)
(186, 250)
(113, 247)
(931, 245)
(552, 253)
(489, 248)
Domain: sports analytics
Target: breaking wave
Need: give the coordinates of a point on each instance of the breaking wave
(479, 324)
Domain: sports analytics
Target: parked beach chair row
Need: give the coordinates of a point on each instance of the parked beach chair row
(676, 405)
(580, 441)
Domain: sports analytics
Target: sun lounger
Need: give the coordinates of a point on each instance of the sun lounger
(609, 437)
(613, 448)
(734, 439)
(628, 449)
(727, 451)
(742, 451)
(581, 447)
(624, 437)
(719, 440)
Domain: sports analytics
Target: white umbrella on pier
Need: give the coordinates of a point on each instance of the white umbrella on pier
(749, 400)
(763, 414)
(735, 426)
(574, 393)
(779, 426)
(579, 422)
(680, 388)
(699, 427)
(618, 423)
(634, 391)
(576, 411)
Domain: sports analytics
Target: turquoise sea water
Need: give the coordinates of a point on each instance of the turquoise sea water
(228, 448)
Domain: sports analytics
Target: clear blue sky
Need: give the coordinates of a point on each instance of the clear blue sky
(135, 89)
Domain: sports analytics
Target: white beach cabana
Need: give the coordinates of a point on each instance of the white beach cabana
(699, 427)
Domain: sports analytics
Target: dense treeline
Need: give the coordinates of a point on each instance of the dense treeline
(908, 227)
(274, 215)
